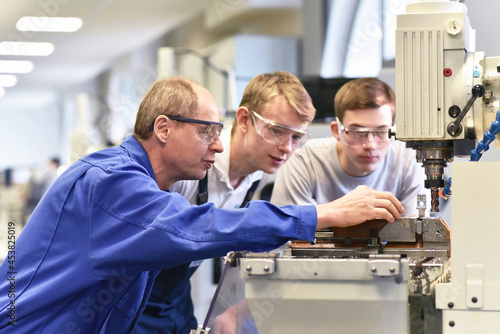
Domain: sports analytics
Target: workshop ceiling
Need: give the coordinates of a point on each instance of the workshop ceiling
(111, 28)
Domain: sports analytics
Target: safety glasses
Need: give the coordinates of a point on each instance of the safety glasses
(359, 136)
(277, 134)
(208, 131)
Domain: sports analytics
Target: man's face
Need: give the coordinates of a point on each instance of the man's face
(363, 158)
(194, 156)
(263, 154)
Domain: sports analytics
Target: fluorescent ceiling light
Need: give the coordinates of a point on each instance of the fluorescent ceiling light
(2, 91)
(16, 66)
(26, 48)
(52, 24)
(7, 80)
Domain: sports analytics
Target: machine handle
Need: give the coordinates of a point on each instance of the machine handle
(455, 128)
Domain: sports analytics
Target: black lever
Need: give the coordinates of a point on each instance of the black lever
(455, 128)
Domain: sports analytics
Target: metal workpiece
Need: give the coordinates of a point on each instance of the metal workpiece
(421, 205)
(406, 229)
(402, 230)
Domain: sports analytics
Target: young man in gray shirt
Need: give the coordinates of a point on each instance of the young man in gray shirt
(361, 152)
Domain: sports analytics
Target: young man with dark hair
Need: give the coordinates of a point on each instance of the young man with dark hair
(361, 152)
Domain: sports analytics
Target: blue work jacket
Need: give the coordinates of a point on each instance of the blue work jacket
(86, 260)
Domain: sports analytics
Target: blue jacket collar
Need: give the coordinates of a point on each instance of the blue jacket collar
(137, 153)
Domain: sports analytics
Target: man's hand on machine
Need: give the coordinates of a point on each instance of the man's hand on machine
(358, 206)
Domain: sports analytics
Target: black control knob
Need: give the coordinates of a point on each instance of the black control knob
(478, 91)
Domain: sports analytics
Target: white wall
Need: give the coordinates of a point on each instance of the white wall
(29, 137)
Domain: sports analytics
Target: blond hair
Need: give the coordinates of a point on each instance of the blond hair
(262, 88)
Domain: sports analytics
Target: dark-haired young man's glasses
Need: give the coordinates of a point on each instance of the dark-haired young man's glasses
(358, 136)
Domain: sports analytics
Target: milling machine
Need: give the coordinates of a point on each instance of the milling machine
(445, 92)
(447, 104)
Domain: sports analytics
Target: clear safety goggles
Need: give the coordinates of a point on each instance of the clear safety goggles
(277, 134)
(359, 136)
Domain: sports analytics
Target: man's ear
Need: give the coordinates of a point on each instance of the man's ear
(243, 118)
(162, 128)
(334, 128)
